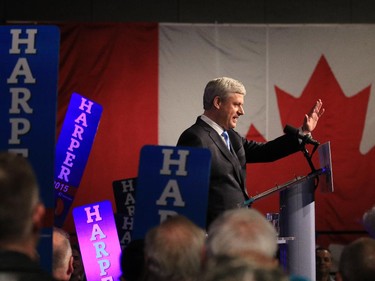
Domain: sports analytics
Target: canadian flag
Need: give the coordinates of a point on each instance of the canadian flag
(150, 77)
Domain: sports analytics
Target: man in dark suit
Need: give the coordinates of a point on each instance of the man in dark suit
(223, 104)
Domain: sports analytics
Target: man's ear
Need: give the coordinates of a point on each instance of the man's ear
(217, 102)
(70, 267)
(38, 216)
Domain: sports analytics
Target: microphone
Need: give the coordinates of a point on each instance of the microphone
(289, 130)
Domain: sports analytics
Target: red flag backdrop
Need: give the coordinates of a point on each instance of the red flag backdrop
(141, 72)
(116, 66)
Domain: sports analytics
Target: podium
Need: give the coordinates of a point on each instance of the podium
(297, 214)
(297, 219)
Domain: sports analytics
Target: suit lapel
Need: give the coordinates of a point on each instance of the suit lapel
(231, 156)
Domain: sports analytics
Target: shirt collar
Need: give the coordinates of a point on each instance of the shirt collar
(212, 124)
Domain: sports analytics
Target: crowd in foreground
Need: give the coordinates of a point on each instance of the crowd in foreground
(240, 244)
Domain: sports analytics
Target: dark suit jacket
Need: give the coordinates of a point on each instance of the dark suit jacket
(228, 170)
(16, 266)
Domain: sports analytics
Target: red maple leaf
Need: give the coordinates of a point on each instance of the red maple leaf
(342, 124)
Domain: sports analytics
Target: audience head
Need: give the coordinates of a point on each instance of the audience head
(225, 268)
(21, 212)
(78, 273)
(323, 263)
(173, 250)
(357, 261)
(132, 260)
(243, 232)
(368, 221)
(62, 259)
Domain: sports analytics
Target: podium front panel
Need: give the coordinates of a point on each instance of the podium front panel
(297, 219)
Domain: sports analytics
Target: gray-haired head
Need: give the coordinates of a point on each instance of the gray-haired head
(357, 260)
(224, 268)
(62, 259)
(173, 250)
(241, 232)
(221, 87)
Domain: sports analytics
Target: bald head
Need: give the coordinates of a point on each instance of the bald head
(62, 266)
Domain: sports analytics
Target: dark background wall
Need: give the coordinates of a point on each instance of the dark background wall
(190, 11)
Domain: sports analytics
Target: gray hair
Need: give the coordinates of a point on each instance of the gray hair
(224, 268)
(357, 260)
(19, 196)
(173, 250)
(240, 232)
(221, 87)
(62, 251)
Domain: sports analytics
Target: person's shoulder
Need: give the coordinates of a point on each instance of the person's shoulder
(234, 133)
(18, 266)
(26, 274)
(298, 278)
(197, 127)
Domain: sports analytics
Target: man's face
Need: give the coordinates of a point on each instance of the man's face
(323, 261)
(230, 110)
(77, 262)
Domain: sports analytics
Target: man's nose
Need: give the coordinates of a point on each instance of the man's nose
(241, 111)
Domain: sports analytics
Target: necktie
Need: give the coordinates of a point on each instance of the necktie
(226, 138)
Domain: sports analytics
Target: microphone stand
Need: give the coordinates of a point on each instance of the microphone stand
(308, 156)
(313, 174)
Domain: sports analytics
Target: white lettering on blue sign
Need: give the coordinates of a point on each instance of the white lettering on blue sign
(171, 190)
(86, 104)
(95, 214)
(100, 249)
(19, 126)
(96, 230)
(130, 210)
(21, 95)
(128, 223)
(29, 41)
(127, 186)
(98, 234)
(126, 238)
(110, 278)
(181, 162)
(129, 199)
(77, 136)
(21, 68)
(164, 214)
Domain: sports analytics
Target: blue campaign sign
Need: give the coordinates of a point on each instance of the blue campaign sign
(124, 192)
(171, 180)
(29, 60)
(98, 241)
(72, 151)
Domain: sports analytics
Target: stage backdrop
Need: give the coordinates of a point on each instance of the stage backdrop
(150, 77)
